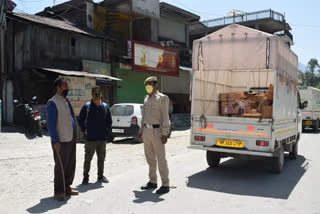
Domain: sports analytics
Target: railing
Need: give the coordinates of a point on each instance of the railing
(264, 14)
(285, 32)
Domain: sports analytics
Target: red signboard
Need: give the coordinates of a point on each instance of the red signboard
(155, 59)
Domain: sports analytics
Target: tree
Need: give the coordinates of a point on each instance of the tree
(312, 65)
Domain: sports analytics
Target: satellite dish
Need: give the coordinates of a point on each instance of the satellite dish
(236, 13)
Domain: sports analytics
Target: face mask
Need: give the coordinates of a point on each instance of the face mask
(65, 93)
(149, 89)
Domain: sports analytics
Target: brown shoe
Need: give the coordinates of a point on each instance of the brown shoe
(60, 197)
(72, 192)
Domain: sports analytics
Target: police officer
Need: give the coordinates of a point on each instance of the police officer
(154, 133)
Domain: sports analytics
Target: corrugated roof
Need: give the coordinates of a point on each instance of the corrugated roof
(78, 73)
(60, 24)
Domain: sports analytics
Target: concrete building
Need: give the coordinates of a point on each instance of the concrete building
(268, 21)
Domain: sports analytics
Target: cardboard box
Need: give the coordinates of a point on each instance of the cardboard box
(256, 115)
(223, 97)
(270, 93)
(233, 96)
(230, 108)
(267, 112)
(236, 95)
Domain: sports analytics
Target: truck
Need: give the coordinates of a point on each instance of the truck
(250, 68)
(311, 114)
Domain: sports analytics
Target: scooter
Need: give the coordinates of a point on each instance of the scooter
(31, 119)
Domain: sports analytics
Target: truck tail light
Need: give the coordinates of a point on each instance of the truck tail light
(199, 138)
(134, 120)
(262, 143)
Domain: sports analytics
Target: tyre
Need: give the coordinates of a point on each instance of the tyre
(294, 153)
(278, 162)
(169, 135)
(316, 126)
(39, 129)
(111, 138)
(213, 159)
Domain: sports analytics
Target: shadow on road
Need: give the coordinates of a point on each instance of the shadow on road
(90, 186)
(46, 204)
(127, 141)
(251, 178)
(310, 131)
(146, 196)
(17, 129)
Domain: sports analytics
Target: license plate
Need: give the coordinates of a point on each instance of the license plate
(230, 143)
(118, 130)
(308, 123)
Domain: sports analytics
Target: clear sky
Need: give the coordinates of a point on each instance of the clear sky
(303, 16)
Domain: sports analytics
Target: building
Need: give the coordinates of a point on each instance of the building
(39, 49)
(159, 26)
(268, 21)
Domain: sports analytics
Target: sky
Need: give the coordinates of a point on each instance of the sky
(303, 16)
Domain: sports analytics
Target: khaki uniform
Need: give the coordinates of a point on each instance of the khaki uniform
(155, 112)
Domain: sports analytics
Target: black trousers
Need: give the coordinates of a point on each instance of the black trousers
(68, 160)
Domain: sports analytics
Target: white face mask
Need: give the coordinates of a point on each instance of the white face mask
(149, 89)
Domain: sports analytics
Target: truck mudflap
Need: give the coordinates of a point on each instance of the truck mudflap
(233, 151)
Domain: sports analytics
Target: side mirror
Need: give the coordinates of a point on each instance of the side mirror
(305, 104)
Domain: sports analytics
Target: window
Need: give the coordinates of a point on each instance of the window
(73, 46)
(122, 110)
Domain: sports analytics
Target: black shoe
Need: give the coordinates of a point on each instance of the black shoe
(85, 181)
(163, 190)
(149, 185)
(103, 179)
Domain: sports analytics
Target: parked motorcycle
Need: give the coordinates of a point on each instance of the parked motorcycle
(30, 119)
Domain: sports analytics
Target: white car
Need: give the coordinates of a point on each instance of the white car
(126, 120)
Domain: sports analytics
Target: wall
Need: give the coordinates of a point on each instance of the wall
(177, 85)
(173, 30)
(31, 45)
(131, 89)
(46, 47)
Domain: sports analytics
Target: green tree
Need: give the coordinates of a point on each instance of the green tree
(312, 65)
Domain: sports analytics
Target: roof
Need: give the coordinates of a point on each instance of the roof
(176, 11)
(58, 24)
(78, 73)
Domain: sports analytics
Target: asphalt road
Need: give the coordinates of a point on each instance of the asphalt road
(237, 186)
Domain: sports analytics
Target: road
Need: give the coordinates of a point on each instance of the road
(237, 186)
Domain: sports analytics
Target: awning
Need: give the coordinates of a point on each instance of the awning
(78, 73)
(185, 68)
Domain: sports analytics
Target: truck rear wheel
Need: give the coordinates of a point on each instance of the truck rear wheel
(213, 159)
(316, 125)
(278, 162)
(294, 153)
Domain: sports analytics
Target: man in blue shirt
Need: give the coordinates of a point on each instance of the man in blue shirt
(95, 121)
(62, 130)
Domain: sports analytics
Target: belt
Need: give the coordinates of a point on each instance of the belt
(155, 126)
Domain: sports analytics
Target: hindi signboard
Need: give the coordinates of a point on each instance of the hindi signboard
(155, 59)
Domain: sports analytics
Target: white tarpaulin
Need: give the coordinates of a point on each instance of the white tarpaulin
(236, 47)
(237, 58)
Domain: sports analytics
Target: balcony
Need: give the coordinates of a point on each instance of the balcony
(268, 21)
